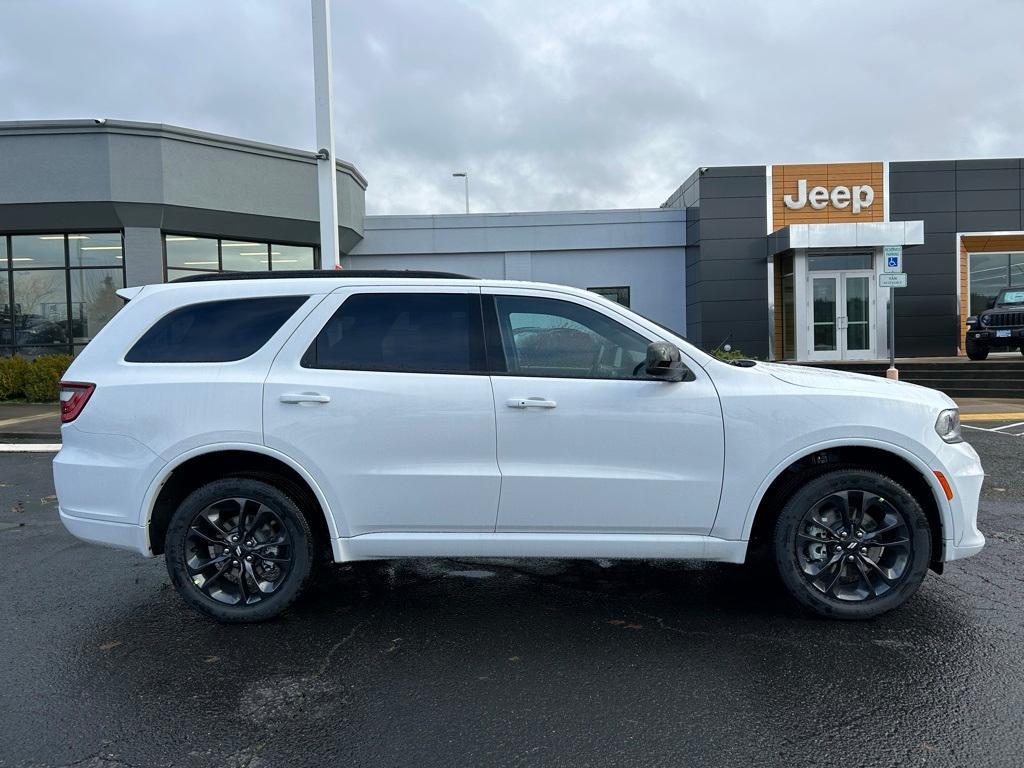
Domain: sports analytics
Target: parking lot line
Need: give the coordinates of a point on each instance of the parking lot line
(24, 419)
(29, 447)
(1010, 426)
(991, 416)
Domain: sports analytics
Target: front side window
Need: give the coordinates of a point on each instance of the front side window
(214, 331)
(561, 339)
(402, 332)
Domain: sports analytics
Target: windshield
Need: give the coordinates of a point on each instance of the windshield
(1010, 297)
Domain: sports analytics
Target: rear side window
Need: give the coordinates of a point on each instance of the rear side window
(214, 331)
(403, 332)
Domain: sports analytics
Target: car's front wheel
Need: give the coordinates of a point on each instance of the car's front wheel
(976, 350)
(852, 544)
(239, 550)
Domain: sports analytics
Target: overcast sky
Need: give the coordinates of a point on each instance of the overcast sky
(550, 104)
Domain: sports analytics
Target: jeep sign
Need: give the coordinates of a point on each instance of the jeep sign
(860, 196)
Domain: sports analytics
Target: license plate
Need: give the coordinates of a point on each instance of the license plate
(1003, 334)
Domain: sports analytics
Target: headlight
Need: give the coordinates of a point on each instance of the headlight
(972, 320)
(948, 425)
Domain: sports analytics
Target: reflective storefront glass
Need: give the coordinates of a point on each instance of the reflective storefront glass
(57, 291)
(237, 256)
(190, 255)
(288, 257)
(990, 273)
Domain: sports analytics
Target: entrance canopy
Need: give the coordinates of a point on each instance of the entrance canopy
(824, 299)
(861, 234)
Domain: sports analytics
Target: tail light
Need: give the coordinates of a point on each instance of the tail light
(73, 397)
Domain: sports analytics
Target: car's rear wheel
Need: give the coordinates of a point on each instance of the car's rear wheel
(852, 544)
(239, 550)
(976, 350)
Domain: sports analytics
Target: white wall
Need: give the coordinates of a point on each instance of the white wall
(642, 249)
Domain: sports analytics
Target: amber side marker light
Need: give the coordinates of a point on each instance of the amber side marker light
(945, 485)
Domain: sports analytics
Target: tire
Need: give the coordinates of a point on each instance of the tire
(206, 565)
(850, 587)
(976, 351)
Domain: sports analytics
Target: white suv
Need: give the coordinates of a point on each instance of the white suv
(248, 429)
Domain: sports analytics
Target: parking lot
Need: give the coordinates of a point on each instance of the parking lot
(439, 662)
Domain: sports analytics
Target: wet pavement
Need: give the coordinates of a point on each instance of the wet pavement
(511, 663)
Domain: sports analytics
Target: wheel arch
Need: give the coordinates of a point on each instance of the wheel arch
(193, 468)
(892, 460)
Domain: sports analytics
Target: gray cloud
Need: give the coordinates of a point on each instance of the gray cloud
(574, 104)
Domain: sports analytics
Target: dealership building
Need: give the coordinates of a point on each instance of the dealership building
(780, 261)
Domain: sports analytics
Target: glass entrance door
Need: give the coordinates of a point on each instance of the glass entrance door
(841, 316)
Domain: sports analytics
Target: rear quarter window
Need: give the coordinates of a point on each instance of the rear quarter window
(214, 331)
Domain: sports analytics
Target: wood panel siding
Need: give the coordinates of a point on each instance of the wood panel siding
(965, 297)
(1008, 243)
(827, 175)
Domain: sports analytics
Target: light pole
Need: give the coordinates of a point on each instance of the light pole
(327, 182)
(465, 177)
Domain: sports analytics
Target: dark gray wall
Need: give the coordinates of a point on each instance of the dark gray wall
(949, 196)
(726, 257)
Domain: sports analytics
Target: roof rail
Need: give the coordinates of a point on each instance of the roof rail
(322, 273)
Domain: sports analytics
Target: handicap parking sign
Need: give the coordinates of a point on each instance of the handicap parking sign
(893, 258)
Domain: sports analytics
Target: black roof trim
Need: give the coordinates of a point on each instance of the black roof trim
(322, 273)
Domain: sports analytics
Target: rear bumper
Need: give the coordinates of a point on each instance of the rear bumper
(110, 534)
(100, 481)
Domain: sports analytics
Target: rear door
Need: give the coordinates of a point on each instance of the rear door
(587, 443)
(383, 395)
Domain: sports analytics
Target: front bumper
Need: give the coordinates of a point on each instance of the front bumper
(965, 474)
(992, 336)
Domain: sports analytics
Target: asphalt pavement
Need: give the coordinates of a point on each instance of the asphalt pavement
(509, 663)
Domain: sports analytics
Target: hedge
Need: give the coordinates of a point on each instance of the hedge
(36, 380)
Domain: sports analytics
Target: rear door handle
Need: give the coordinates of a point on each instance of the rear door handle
(299, 398)
(530, 402)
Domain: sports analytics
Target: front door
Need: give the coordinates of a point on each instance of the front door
(841, 315)
(587, 442)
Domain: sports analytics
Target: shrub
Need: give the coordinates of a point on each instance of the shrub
(732, 354)
(12, 376)
(43, 375)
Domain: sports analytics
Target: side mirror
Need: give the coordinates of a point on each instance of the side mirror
(665, 362)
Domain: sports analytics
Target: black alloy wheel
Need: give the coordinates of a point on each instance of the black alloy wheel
(852, 544)
(239, 549)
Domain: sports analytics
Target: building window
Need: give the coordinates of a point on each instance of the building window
(57, 290)
(817, 262)
(618, 294)
(990, 273)
(186, 255)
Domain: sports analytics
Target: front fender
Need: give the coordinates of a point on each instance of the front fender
(920, 464)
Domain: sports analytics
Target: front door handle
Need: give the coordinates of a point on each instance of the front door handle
(530, 402)
(300, 398)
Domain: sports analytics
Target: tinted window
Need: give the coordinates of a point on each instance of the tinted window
(215, 331)
(407, 332)
(549, 337)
